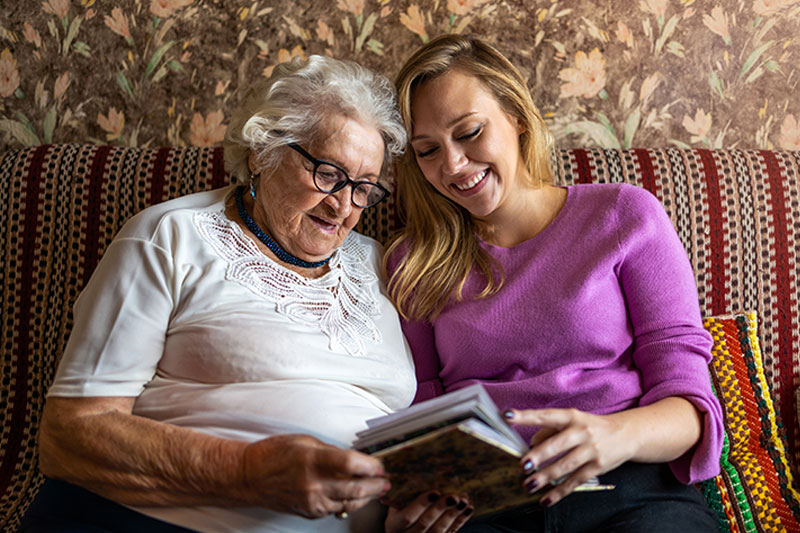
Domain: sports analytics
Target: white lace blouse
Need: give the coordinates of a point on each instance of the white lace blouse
(185, 313)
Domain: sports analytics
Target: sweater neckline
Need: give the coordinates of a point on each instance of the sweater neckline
(542, 234)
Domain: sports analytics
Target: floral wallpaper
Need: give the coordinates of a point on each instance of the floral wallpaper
(610, 73)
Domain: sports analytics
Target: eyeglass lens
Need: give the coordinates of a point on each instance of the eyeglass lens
(330, 179)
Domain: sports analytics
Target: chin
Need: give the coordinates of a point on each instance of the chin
(320, 253)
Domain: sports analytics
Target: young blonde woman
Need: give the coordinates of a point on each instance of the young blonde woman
(575, 307)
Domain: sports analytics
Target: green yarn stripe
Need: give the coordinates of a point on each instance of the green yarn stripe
(714, 498)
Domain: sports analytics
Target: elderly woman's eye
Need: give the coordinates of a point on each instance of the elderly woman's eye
(329, 174)
(361, 194)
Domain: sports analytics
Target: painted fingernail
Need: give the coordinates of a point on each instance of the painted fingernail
(450, 501)
(532, 485)
(433, 496)
(461, 505)
(528, 466)
(508, 414)
(546, 502)
(468, 511)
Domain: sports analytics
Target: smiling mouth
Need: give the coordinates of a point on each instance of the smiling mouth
(471, 183)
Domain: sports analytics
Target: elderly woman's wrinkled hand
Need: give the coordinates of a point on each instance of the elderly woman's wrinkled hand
(302, 475)
(430, 513)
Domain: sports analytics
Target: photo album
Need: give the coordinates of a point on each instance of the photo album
(457, 443)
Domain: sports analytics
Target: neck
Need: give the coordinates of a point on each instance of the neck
(523, 216)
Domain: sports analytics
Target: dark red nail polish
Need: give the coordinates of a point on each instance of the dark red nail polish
(461, 505)
(433, 496)
(508, 414)
(450, 501)
(528, 466)
(468, 511)
(546, 502)
(532, 485)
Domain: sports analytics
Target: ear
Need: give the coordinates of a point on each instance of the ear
(520, 126)
(251, 162)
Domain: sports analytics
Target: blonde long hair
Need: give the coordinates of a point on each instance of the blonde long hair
(439, 242)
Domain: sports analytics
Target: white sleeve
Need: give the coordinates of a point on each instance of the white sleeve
(120, 323)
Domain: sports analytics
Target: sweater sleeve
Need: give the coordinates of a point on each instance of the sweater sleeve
(671, 348)
(420, 336)
(422, 341)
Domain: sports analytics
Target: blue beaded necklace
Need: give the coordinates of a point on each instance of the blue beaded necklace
(282, 254)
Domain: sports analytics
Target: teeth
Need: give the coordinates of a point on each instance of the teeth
(473, 182)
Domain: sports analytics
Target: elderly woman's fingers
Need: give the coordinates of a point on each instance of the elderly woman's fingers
(348, 506)
(356, 489)
(303, 475)
(348, 463)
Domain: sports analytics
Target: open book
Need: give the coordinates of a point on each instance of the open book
(456, 443)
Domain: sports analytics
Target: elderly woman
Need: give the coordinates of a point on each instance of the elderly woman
(231, 343)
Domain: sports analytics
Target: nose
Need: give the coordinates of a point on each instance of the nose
(340, 202)
(454, 159)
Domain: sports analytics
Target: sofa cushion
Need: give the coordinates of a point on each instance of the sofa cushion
(754, 490)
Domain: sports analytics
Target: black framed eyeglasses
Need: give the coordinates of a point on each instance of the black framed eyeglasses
(330, 178)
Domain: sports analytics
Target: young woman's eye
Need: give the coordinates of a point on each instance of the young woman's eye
(425, 153)
(470, 134)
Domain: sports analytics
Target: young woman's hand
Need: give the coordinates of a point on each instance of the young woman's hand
(574, 446)
(430, 513)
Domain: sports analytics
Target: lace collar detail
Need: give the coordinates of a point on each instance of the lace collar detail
(340, 303)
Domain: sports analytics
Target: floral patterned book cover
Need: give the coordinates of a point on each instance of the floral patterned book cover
(461, 458)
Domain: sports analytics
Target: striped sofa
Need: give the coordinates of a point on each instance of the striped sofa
(736, 211)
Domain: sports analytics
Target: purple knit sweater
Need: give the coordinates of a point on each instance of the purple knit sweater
(598, 312)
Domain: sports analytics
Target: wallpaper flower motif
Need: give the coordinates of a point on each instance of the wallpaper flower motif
(9, 75)
(789, 138)
(613, 73)
(587, 78)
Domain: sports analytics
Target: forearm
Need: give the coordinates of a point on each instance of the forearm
(98, 444)
(660, 432)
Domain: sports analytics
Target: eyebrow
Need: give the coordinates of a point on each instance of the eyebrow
(448, 125)
(349, 172)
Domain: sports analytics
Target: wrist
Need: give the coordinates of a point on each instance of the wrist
(234, 482)
(630, 441)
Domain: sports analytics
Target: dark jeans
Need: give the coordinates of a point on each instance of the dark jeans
(647, 499)
(67, 508)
